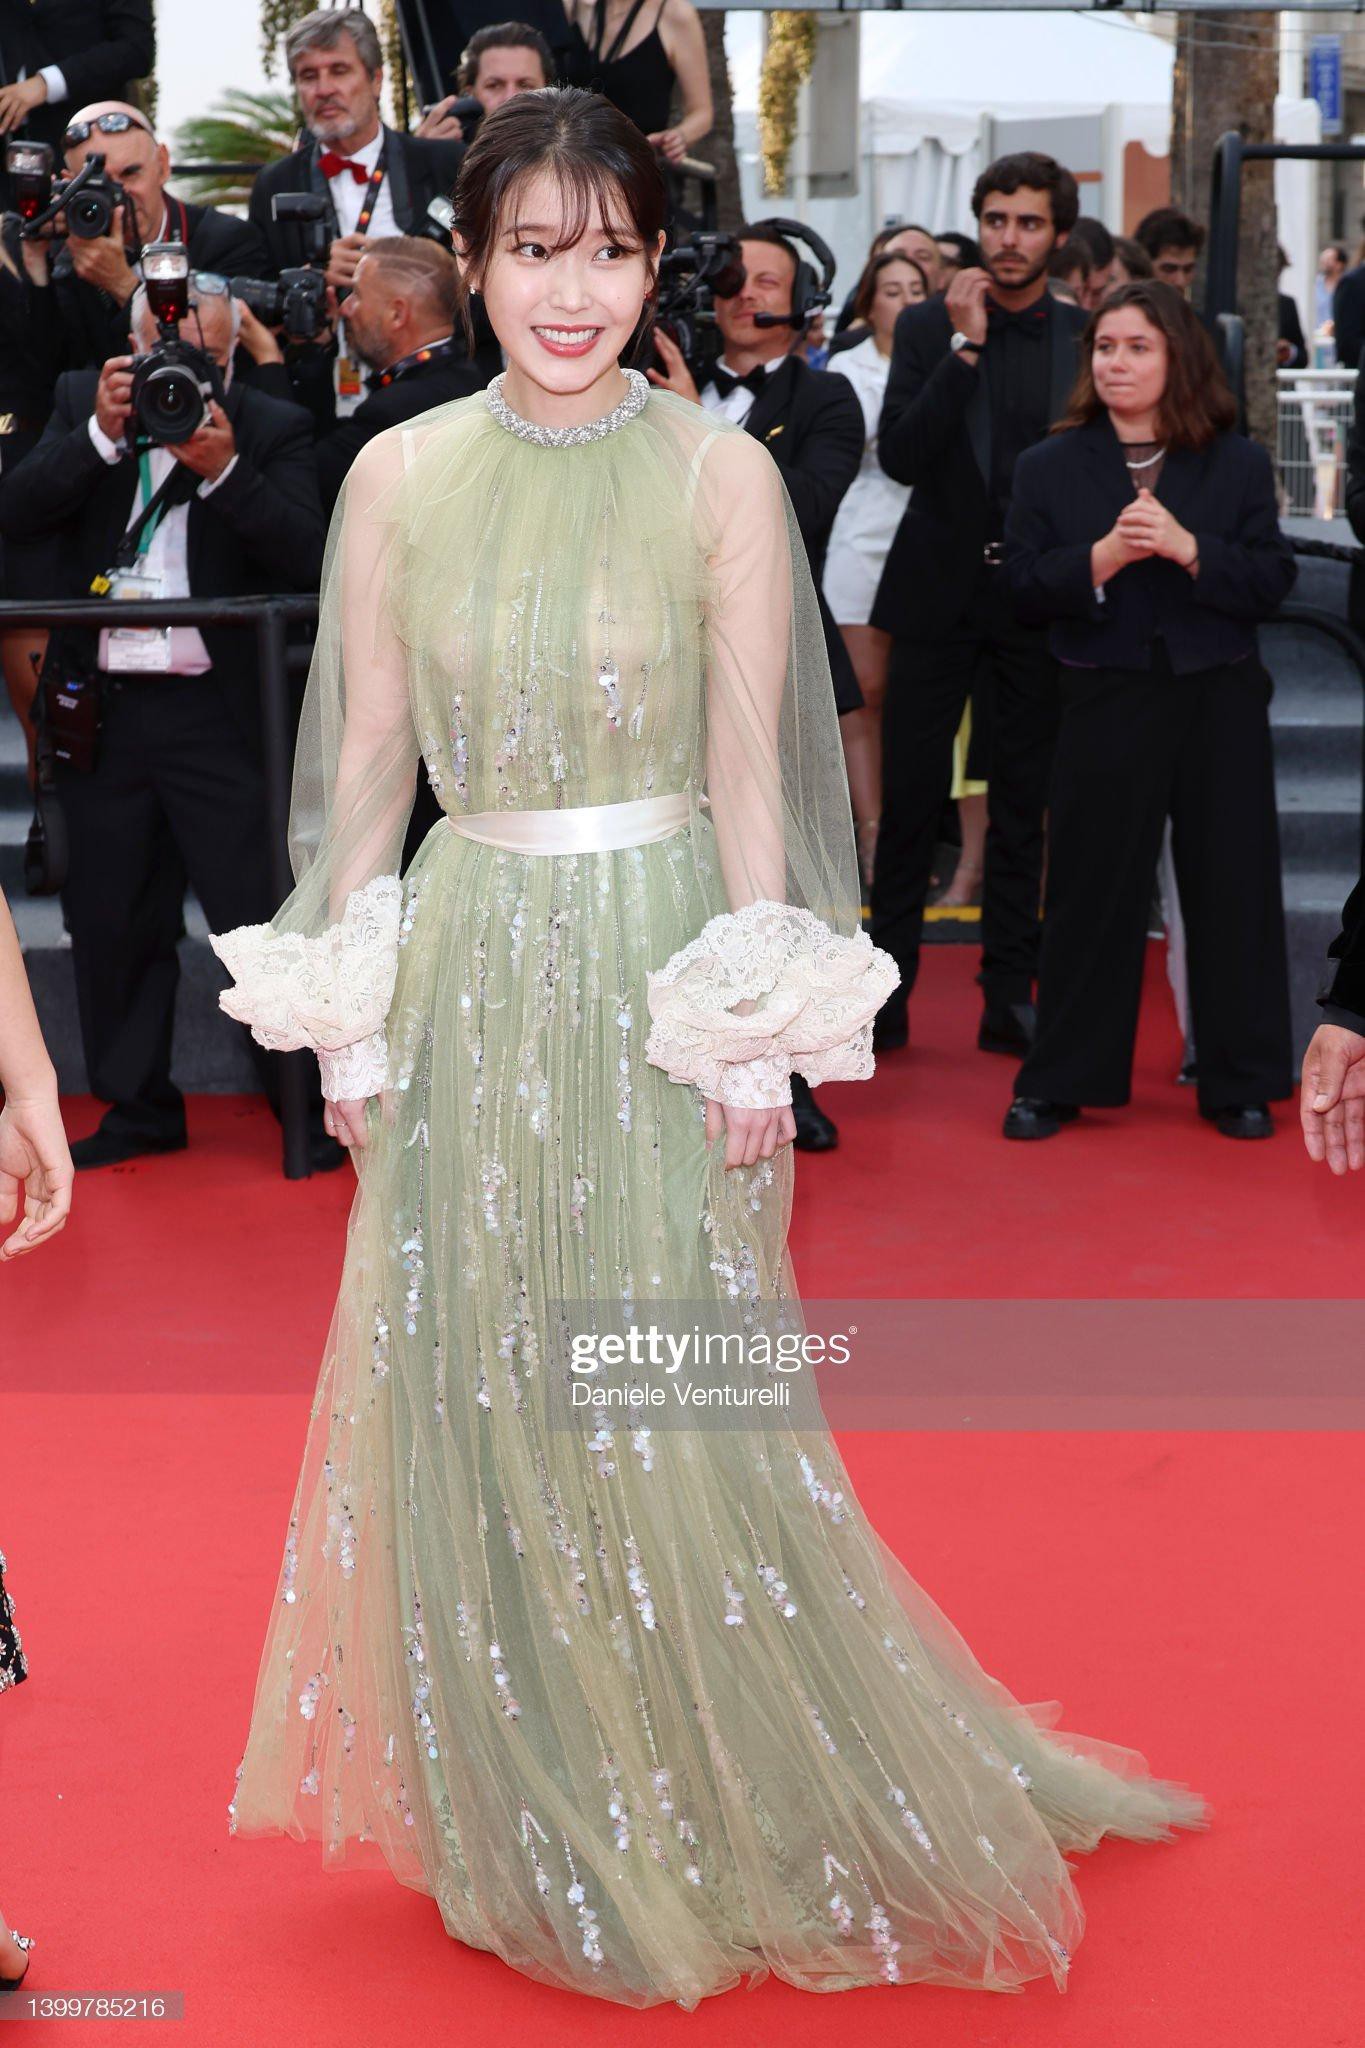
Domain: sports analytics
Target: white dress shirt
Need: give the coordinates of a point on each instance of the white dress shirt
(166, 555)
(735, 405)
(348, 195)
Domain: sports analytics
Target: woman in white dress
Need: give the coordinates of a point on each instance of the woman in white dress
(863, 530)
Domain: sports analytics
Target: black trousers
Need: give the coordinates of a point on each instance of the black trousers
(928, 684)
(1135, 747)
(176, 795)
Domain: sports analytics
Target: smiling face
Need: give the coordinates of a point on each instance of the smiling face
(565, 315)
(1129, 363)
(1017, 236)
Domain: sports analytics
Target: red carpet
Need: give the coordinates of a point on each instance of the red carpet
(1192, 1594)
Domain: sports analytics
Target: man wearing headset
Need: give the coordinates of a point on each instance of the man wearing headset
(812, 425)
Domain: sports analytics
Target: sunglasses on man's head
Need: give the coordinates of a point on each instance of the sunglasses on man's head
(107, 124)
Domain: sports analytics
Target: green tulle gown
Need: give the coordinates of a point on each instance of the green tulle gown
(647, 1712)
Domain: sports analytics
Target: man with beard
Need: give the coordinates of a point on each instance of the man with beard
(977, 376)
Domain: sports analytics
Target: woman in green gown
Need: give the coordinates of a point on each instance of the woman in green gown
(648, 1711)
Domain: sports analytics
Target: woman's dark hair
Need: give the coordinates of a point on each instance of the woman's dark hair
(1196, 403)
(599, 158)
(866, 289)
(1029, 167)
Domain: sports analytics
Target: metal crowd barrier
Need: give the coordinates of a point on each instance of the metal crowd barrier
(269, 615)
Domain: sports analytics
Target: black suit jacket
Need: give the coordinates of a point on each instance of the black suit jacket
(417, 172)
(812, 426)
(341, 441)
(100, 45)
(260, 530)
(1069, 490)
(934, 433)
(76, 326)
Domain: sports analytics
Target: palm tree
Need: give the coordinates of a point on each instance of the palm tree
(240, 128)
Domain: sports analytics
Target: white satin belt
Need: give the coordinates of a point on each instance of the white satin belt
(588, 828)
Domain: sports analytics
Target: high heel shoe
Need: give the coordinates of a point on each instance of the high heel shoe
(26, 1943)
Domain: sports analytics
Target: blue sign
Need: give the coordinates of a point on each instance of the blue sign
(1324, 80)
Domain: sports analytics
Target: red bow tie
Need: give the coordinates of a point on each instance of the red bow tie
(333, 165)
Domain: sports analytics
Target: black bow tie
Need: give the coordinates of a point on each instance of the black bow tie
(726, 381)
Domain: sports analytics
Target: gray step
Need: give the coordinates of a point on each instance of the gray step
(1309, 746)
(210, 1053)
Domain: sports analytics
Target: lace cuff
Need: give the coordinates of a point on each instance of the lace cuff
(331, 992)
(357, 1071)
(815, 994)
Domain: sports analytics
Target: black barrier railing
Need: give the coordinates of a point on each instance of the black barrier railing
(1337, 629)
(270, 616)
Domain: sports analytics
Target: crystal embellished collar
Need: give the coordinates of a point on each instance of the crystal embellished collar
(568, 437)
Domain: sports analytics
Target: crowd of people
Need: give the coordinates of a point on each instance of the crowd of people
(1055, 662)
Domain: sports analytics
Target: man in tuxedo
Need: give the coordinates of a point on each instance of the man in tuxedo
(498, 61)
(976, 377)
(55, 54)
(177, 791)
(79, 290)
(812, 425)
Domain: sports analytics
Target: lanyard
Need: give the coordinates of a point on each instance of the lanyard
(379, 380)
(368, 203)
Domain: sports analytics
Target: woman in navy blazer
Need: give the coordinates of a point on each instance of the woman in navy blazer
(1145, 534)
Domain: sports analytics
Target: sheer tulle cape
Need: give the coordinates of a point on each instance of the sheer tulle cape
(647, 1712)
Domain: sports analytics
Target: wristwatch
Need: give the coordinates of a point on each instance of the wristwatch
(958, 341)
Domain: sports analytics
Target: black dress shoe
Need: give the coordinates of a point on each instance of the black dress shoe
(1242, 1120)
(107, 1148)
(815, 1132)
(890, 1028)
(325, 1154)
(1008, 1027)
(1029, 1116)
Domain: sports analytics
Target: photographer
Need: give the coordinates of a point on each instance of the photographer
(81, 284)
(400, 316)
(176, 790)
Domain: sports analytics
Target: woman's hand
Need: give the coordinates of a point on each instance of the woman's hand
(34, 1152)
(1115, 552)
(345, 1121)
(1148, 524)
(671, 141)
(750, 1134)
(675, 375)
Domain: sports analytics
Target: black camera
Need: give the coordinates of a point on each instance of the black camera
(692, 276)
(174, 381)
(89, 201)
(297, 299)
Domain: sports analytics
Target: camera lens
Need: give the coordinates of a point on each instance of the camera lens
(89, 215)
(169, 403)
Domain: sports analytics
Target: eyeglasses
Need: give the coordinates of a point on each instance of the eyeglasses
(107, 124)
(210, 284)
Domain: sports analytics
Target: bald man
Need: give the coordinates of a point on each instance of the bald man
(81, 290)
